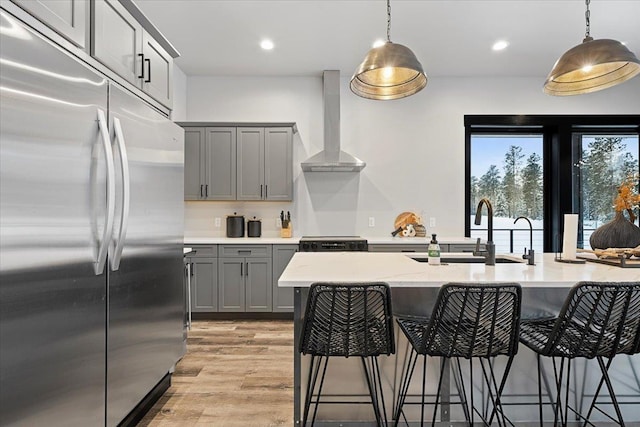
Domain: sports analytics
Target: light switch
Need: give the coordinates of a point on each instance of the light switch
(372, 221)
(432, 222)
(217, 222)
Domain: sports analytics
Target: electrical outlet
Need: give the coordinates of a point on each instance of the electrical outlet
(217, 222)
(372, 221)
(278, 223)
(432, 222)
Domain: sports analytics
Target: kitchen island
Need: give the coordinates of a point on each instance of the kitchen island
(414, 288)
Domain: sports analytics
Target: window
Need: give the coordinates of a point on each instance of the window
(542, 167)
(604, 161)
(507, 170)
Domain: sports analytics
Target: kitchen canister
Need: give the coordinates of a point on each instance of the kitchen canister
(235, 225)
(254, 227)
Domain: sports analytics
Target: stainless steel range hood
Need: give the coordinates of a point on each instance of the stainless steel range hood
(332, 159)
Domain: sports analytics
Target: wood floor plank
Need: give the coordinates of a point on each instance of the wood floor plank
(235, 373)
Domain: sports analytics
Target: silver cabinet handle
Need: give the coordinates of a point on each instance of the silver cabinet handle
(103, 247)
(115, 249)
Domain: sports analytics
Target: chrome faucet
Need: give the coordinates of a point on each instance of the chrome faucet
(530, 254)
(490, 248)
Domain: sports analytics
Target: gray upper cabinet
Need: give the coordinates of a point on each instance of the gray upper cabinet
(238, 163)
(220, 164)
(210, 163)
(194, 174)
(250, 171)
(68, 18)
(278, 164)
(157, 71)
(120, 42)
(265, 164)
(117, 40)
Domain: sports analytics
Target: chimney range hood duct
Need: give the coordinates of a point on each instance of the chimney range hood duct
(332, 159)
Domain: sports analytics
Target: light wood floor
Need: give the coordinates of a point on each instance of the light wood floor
(235, 373)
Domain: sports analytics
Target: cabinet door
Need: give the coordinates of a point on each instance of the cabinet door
(67, 17)
(157, 71)
(258, 286)
(231, 278)
(204, 281)
(220, 164)
(278, 163)
(251, 164)
(282, 297)
(117, 40)
(194, 173)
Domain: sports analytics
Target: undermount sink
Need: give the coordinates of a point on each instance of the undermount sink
(474, 260)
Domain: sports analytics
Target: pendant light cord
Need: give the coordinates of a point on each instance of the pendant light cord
(389, 21)
(587, 16)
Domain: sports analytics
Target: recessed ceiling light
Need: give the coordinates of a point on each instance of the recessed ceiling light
(500, 45)
(378, 43)
(266, 44)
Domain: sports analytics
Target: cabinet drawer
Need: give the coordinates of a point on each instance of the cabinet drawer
(397, 248)
(244, 251)
(463, 247)
(203, 251)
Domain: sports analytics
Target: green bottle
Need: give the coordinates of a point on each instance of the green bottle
(434, 251)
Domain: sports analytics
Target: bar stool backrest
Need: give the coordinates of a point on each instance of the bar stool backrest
(474, 320)
(597, 319)
(348, 319)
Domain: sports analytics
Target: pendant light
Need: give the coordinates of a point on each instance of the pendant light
(591, 66)
(390, 71)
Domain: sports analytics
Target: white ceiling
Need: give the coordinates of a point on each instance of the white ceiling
(450, 38)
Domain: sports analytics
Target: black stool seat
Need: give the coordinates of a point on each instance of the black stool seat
(478, 320)
(597, 320)
(347, 320)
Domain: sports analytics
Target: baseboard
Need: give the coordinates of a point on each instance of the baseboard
(242, 316)
(147, 403)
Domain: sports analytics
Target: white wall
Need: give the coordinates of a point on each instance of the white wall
(179, 112)
(413, 147)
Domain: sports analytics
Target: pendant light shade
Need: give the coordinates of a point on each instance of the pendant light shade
(390, 71)
(591, 66)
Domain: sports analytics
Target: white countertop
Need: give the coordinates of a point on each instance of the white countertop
(191, 240)
(240, 240)
(420, 240)
(399, 270)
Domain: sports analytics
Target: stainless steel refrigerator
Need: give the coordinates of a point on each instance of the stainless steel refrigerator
(91, 235)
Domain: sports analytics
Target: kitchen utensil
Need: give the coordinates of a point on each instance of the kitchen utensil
(254, 227)
(235, 225)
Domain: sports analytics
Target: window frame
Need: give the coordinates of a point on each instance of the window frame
(558, 148)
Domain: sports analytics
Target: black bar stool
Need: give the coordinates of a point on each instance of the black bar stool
(597, 320)
(469, 321)
(346, 320)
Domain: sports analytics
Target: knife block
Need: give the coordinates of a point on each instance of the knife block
(286, 231)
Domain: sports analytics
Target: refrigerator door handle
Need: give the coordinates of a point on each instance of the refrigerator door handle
(103, 247)
(115, 253)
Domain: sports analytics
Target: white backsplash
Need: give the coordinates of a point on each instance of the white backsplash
(199, 217)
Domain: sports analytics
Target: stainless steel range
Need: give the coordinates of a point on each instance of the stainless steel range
(333, 244)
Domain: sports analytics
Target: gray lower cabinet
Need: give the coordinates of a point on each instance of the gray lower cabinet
(204, 278)
(245, 278)
(69, 18)
(282, 297)
(204, 284)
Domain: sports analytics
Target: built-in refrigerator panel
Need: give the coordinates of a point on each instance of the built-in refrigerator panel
(145, 294)
(52, 219)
